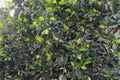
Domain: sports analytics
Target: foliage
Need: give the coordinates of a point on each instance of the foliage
(61, 40)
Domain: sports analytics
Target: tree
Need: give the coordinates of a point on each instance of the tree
(61, 39)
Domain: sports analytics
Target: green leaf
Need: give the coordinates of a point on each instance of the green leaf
(41, 18)
(102, 26)
(1, 38)
(48, 1)
(48, 56)
(49, 9)
(83, 67)
(62, 2)
(38, 56)
(46, 31)
(2, 55)
(88, 60)
(52, 18)
(92, 1)
(68, 10)
(79, 56)
(25, 19)
(85, 47)
(1, 24)
(33, 25)
(66, 27)
(27, 39)
(21, 29)
(39, 39)
(117, 41)
(72, 64)
(72, 1)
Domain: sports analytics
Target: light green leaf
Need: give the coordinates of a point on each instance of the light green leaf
(1, 38)
(68, 10)
(52, 18)
(25, 19)
(83, 67)
(38, 56)
(118, 41)
(72, 64)
(27, 39)
(66, 27)
(1, 24)
(102, 26)
(72, 1)
(48, 1)
(79, 56)
(46, 31)
(48, 56)
(39, 39)
(62, 2)
(49, 9)
(41, 18)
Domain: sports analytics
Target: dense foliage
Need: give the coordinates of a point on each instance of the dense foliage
(61, 40)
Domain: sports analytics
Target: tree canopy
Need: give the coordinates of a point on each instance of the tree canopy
(61, 40)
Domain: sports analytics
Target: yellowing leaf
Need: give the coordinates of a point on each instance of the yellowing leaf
(66, 27)
(41, 18)
(102, 26)
(39, 39)
(1, 24)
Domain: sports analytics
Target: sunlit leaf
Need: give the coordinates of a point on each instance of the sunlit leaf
(83, 67)
(48, 1)
(25, 19)
(48, 56)
(66, 27)
(1, 38)
(68, 10)
(102, 26)
(118, 41)
(88, 78)
(21, 29)
(39, 39)
(49, 9)
(79, 56)
(72, 1)
(27, 39)
(62, 2)
(38, 56)
(41, 18)
(46, 31)
(52, 18)
(73, 64)
(1, 24)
